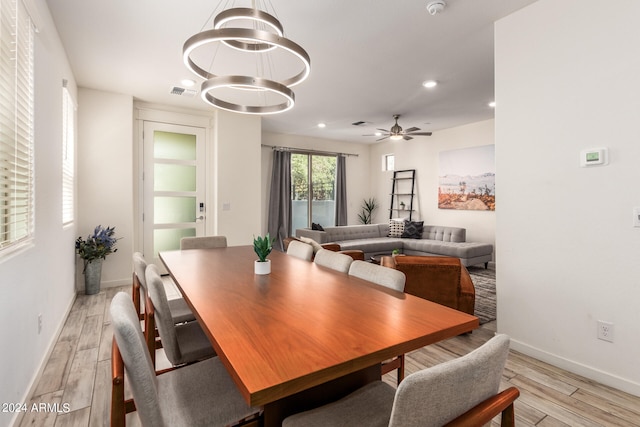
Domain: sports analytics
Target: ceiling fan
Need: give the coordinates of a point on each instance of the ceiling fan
(397, 133)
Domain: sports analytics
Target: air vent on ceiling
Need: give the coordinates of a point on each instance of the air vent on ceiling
(180, 91)
(358, 123)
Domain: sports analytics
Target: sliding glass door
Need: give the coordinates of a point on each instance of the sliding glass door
(313, 182)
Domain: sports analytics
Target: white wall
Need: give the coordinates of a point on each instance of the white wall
(422, 154)
(39, 279)
(567, 80)
(357, 168)
(105, 176)
(237, 175)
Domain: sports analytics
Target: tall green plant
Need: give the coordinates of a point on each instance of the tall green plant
(262, 246)
(368, 207)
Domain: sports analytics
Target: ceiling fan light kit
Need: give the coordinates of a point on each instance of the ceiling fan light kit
(254, 42)
(396, 132)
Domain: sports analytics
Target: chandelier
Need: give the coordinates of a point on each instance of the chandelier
(247, 63)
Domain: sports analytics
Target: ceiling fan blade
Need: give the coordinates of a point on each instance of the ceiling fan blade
(384, 137)
(406, 137)
(383, 130)
(412, 129)
(421, 133)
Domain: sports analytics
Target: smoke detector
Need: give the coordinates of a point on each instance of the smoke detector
(436, 7)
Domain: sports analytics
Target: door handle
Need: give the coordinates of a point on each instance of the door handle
(201, 217)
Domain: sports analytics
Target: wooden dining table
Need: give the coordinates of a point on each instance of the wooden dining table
(304, 334)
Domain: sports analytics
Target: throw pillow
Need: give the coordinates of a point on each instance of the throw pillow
(396, 228)
(315, 226)
(413, 229)
(315, 245)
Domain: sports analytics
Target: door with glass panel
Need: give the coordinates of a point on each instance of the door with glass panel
(174, 186)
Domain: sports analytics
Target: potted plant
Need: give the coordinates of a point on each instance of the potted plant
(368, 207)
(402, 205)
(262, 246)
(93, 251)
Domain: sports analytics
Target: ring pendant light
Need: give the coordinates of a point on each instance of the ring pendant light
(252, 41)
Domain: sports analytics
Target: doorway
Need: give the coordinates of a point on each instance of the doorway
(173, 186)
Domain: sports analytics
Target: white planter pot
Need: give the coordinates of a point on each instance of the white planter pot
(262, 267)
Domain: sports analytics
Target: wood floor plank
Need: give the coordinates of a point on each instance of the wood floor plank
(617, 396)
(42, 418)
(91, 332)
(73, 326)
(79, 388)
(106, 339)
(56, 371)
(100, 404)
(582, 413)
(549, 421)
(79, 418)
(597, 401)
(523, 368)
(95, 304)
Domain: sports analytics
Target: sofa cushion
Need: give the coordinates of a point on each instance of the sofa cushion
(396, 228)
(352, 232)
(445, 234)
(452, 249)
(412, 229)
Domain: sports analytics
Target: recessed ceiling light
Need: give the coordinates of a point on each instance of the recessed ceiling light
(430, 83)
(188, 82)
(322, 125)
(378, 134)
(492, 104)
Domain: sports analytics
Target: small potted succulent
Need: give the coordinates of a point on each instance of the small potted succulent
(262, 246)
(93, 251)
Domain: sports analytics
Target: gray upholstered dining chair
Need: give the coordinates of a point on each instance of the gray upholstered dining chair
(333, 260)
(389, 278)
(206, 242)
(180, 311)
(463, 392)
(200, 394)
(300, 250)
(182, 343)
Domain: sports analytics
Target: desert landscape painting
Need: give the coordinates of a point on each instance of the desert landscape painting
(467, 179)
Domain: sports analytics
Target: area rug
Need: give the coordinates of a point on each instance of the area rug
(484, 281)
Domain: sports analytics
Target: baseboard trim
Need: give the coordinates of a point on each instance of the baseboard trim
(606, 378)
(17, 419)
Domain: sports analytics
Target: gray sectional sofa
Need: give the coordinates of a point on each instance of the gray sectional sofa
(373, 240)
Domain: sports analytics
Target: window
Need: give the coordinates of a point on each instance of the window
(16, 125)
(68, 150)
(313, 182)
(388, 162)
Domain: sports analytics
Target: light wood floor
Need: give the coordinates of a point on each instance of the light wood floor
(78, 373)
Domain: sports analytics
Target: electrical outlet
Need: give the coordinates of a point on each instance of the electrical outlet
(39, 323)
(605, 331)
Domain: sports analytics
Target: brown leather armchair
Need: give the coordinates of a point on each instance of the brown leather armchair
(443, 280)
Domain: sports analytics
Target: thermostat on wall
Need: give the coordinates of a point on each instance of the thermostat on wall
(594, 156)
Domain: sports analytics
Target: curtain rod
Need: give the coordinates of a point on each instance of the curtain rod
(303, 150)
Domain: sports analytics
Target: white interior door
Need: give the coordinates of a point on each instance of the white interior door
(174, 186)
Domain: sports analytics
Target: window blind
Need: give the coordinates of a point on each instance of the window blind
(16, 125)
(68, 151)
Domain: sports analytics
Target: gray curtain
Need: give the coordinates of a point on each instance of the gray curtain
(279, 221)
(341, 191)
